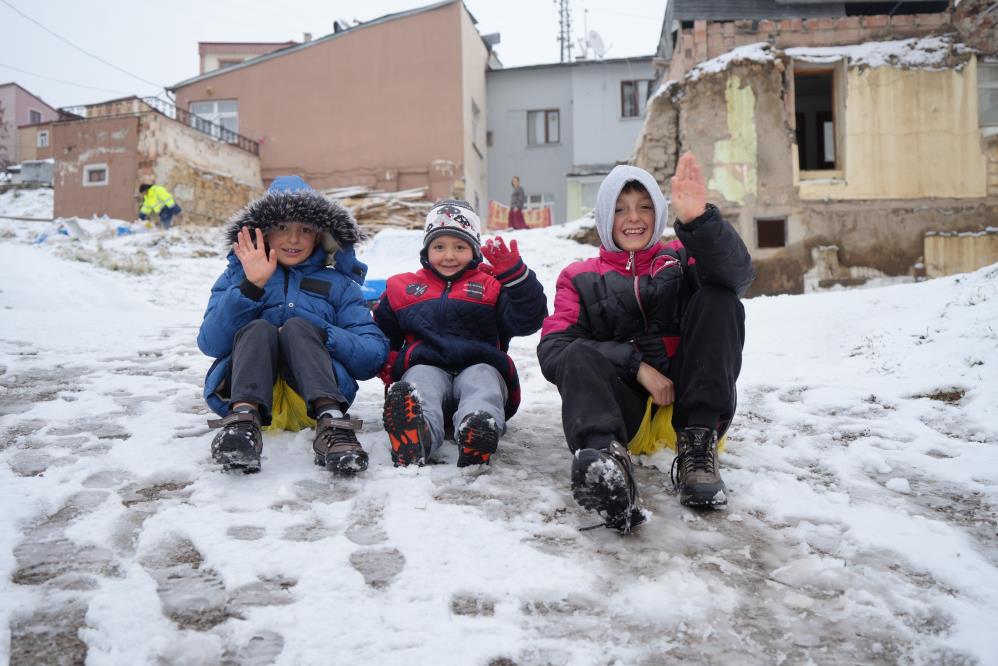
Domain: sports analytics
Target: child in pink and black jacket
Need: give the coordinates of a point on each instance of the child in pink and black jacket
(449, 325)
(647, 319)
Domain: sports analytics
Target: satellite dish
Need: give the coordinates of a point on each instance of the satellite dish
(596, 44)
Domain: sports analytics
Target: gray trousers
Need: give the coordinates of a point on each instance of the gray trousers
(296, 352)
(476, 388)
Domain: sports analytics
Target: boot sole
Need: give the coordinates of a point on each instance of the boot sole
(233, 461)
(404, 423)
(594, 490)
(344, 464)
(479, 440)
(713, 498)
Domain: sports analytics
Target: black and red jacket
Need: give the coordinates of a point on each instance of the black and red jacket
(454, 323)
(619, 298)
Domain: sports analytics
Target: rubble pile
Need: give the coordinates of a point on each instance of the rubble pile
(376, 210)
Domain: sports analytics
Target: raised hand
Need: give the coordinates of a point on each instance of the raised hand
(501, 257)
(257, 263)
(689, 190)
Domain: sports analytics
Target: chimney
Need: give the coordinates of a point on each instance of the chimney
(306, 37)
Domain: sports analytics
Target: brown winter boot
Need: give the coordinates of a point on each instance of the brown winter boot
(336, 446)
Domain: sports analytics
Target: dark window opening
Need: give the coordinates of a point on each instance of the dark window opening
(771, 232)
(895, 8)
(814, 101)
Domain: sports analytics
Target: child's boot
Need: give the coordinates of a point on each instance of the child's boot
(603, 481)
(238, 444)
(477, 439)
(336, 446)
(406, 427)
(694, 469)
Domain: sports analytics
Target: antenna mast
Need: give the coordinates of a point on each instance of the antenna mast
(565, 30)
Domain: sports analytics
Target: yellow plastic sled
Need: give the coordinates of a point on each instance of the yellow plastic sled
(290, 411)
(656, 432)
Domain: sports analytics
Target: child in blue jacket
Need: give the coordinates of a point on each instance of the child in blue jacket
(289, 306)
(449, 325)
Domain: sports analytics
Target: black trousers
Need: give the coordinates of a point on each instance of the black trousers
(295, 352)
(599, 405)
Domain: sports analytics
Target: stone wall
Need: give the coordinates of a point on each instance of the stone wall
(210, 179)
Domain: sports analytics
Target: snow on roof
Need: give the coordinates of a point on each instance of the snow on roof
(924, 52)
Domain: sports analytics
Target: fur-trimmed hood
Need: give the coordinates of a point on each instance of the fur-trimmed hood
(291, 199)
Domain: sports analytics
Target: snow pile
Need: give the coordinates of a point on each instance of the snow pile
(862, 471)
(757, 52)
(32, 203)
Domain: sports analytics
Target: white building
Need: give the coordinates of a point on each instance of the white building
(561, 127)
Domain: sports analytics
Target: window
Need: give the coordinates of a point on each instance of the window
(543, 127)
(814, 101)
(34, 117)
(475, 117)
(224, 114)
(42, 140)
(540, 200)
(633, 97)
(771, 232)
(222, 64)
(94, 175)
(987, 93)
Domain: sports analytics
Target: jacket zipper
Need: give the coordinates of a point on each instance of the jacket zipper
(637, 290)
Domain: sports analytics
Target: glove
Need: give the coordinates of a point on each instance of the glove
(506, 261)
(652, 349)
(386, 370)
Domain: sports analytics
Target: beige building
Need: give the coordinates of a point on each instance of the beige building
(835, 144)
(394, 103)
(103, 157)
(218, 55)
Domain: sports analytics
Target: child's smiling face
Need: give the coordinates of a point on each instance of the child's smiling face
(449, 254)
(633, 220)
(293, 241)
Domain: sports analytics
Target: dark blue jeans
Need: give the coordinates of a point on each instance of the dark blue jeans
(167, 214)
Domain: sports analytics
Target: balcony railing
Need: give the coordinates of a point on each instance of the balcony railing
(203, 125)
(134, 105)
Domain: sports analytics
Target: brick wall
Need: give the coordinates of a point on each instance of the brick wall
(709, 40)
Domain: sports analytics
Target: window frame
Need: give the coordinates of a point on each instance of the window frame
(538, 201)
(38, 139)
(31, 116)
(547, 114)
(641, 105)
(215, 117)
(765, 219)
(838, 95)
(90, 168)
(991, 65)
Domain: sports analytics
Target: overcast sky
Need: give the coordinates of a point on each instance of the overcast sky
(157, 41)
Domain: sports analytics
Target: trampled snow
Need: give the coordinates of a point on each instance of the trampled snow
(862, 472)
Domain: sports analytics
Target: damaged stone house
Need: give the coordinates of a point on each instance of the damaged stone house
(104, 152)
(841, 139)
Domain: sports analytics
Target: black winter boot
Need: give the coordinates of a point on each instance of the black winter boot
(407, 430)
(694, 469)
(477, 439)
(238, 444)
(336, 446)
(603, 481)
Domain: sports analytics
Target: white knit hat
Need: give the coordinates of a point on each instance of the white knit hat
(457, 218)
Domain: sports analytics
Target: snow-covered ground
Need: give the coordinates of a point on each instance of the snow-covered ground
(862, 468)
(32, 203)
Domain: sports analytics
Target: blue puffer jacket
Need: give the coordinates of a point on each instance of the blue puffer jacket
(327, 296)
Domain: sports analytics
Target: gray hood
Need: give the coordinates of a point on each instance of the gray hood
(606, 200)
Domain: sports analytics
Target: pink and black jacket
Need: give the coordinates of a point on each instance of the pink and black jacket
(453, 323)
(629, 305)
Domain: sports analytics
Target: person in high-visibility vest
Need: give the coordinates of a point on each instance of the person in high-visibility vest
(157, 199)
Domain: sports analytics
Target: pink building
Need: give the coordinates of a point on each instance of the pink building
(19, 107)
(394, 103)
